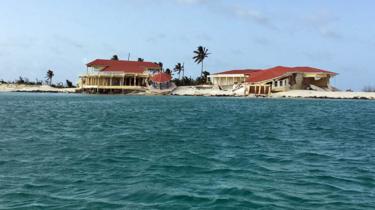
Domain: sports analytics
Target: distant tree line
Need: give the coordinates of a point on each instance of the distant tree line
(184, 80)
(369, 89)
(22, 80)
(49, 75)
(188, 81)
(200, 54)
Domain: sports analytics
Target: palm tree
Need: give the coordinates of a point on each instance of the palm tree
(200, 54)
(161, 66)
(49, 76)
(183, 70)
(178, 68)
(168, 71)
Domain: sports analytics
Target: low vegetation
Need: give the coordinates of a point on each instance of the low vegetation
(49, 75)
(69, 84)
(22, 81)
(369, 89)
(188, 81)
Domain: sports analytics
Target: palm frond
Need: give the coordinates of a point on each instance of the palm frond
(200, 54)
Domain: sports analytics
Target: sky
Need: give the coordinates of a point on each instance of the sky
(335, 35)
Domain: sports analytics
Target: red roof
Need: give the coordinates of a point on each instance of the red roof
(240, 71)
(279, 71)
(161, 77)
(123, 66)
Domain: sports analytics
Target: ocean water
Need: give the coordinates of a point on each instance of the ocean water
(131, 152)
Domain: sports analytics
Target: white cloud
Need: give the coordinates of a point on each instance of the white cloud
(190, 2)
(219, 7)
(324, 22)
(251, 14)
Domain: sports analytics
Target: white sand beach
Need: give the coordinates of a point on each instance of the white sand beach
(201, 91)
(324, 94)
(34, 88)
(204, 91)
(214, 91)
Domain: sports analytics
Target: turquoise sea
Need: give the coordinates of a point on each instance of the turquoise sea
(133, 152)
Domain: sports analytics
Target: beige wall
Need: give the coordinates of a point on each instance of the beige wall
(113, 81)
(226, 80)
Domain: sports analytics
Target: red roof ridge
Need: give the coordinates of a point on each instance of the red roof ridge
(123, 65)
(239, 71)
(118, 61)
(279, 71)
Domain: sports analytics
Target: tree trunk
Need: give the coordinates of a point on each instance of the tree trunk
(202, 69)
(183, 75)
(183, 70)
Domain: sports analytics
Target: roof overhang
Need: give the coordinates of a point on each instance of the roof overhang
(318, 74)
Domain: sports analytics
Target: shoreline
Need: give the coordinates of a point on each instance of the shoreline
(34, 89)
(204, 92)
(325, 95)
